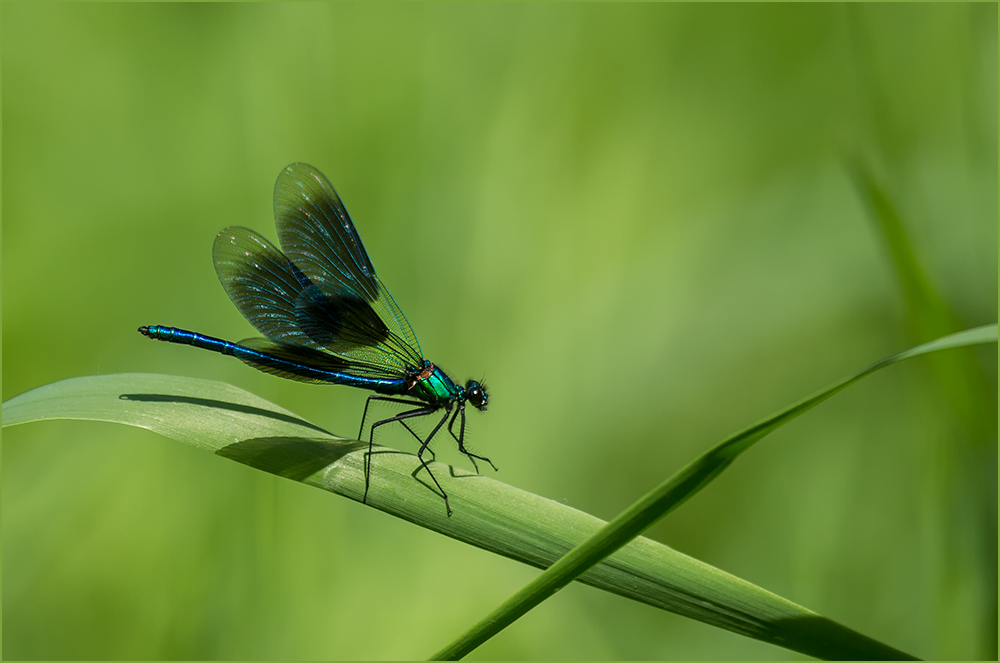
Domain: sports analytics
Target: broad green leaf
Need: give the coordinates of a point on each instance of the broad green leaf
(488, 514)
(674, 491)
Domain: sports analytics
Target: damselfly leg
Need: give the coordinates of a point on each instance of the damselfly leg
(460, 438)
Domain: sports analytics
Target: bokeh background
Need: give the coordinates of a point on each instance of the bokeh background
(635, 221)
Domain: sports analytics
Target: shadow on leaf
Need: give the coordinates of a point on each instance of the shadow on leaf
(223, 405)
(294, 458)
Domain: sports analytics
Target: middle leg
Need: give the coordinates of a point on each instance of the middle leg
(420, 457)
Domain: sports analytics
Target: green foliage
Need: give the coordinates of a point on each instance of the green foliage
(492, 515)
(634, 219)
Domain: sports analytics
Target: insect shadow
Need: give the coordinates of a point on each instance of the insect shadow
(223, 405)
(453, 472)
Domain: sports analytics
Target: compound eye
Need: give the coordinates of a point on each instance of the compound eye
(476, 395)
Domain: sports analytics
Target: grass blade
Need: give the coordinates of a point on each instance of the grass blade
(962, 379)
(966, 388)
(673, 492)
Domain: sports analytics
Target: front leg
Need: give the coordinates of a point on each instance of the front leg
(451, 429)
(461, 439)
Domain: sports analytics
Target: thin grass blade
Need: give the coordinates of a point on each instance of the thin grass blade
(965, 385)
(842, 644)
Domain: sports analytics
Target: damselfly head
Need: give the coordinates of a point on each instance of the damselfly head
(475, 393)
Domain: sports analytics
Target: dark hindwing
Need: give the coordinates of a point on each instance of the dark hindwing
(338, 322)
(261, 282)
(339, 332)
(294, 362)
(319, 238)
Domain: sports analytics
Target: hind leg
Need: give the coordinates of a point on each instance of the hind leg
(409, 414)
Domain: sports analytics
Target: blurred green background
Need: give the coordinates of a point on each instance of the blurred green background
(635, 221)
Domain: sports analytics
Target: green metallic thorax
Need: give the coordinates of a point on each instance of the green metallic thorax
(436, 388)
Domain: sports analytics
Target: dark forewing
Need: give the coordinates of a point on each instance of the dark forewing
(318, 236)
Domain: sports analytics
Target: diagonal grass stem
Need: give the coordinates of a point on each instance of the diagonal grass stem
(669, 495)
